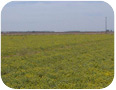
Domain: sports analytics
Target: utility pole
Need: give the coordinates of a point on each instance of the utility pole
(105, 23)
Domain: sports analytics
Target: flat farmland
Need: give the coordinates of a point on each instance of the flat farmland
(67, 61)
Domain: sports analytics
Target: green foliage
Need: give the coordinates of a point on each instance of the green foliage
(57, 61)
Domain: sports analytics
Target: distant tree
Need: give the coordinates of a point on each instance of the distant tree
(107, 30)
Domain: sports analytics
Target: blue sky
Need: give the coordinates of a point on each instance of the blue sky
(57, 16)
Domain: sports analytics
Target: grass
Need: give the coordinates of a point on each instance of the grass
(57, 61)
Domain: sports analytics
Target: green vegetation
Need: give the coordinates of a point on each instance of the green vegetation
(57, 61)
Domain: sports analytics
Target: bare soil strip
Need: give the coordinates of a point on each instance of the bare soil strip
(42, 33)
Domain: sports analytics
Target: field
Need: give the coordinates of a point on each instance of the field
(66, 61)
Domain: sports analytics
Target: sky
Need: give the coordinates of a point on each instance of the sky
(58, 16)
